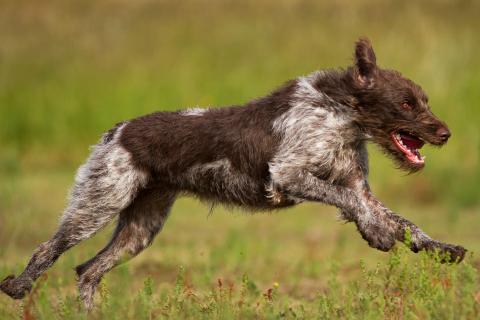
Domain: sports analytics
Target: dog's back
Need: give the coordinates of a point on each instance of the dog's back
(218, 154)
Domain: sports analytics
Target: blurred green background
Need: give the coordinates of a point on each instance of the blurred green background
(69, 70)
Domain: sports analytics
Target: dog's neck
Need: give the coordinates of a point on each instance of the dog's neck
(337, 85)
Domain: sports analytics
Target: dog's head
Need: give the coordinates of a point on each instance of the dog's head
(394, 110)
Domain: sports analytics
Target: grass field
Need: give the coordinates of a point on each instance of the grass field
(70, 70)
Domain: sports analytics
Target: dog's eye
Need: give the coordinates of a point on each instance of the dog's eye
(407, 106)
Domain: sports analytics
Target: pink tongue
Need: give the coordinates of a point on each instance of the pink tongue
(411, 142)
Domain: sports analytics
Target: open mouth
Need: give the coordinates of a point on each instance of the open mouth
(409, 144)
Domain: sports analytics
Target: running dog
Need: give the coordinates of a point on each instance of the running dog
(306, 141)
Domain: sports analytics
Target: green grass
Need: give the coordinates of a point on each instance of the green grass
(235, 279)
(323, 268)
(71, 70)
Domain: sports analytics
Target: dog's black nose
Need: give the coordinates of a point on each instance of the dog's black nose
(443, 133)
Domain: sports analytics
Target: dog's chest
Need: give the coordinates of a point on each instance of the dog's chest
(320, 140)
(330, 156)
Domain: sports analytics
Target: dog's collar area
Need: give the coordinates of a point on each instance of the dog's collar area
(409, 144)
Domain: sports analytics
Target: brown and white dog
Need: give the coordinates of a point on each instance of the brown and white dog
(303, 142)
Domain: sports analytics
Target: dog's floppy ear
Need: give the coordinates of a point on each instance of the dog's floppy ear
(365, 62)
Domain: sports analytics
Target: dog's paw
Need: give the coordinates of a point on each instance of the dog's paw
(15, 289)
(87, 285)
(452, 253)
(447, 252)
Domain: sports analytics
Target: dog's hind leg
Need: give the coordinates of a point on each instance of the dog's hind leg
(136, 228)
(104, 186)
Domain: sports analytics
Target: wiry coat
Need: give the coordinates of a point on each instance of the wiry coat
(304, 142)
(238, 155)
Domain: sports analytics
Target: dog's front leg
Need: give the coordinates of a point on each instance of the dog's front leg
(419, 239)
(377, 231)
(378, 225)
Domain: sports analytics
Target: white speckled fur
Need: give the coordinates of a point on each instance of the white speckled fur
(317, 139)
(105, 184)
(193, 111)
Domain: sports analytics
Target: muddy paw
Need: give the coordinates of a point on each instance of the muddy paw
(448, 252)
(15, 289)
(454, 253)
